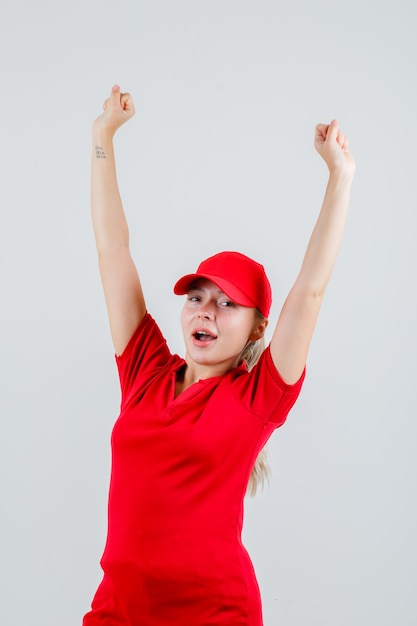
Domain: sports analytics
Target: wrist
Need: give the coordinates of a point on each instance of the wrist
(342, 173)
(102, 135)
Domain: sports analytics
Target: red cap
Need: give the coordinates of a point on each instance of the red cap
(239, 277)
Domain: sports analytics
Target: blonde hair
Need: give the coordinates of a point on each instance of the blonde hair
(261, 471)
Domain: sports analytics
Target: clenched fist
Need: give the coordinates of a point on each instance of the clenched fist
(117, 109)
(333, 146)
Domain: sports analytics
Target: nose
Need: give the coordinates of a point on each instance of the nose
(206, 314)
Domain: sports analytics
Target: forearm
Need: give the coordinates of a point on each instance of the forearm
(291, 340)
(109, 221)
(327, 235)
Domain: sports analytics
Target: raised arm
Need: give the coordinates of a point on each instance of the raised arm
(121, 284)
(292, 336)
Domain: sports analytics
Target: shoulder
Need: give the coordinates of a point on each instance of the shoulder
(147, 351)
(147, 335)
(264, 391)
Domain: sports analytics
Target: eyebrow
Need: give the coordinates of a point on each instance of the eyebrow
(197, 287)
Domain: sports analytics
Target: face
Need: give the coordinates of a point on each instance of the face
(216, 329)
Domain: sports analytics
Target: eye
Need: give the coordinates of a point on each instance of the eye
(226, 303)
(193, 298)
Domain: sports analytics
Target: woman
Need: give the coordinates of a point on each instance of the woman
(190, 430)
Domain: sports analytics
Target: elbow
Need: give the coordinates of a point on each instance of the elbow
(112, 253)
(316, 293)
(307, 290)
(112, 245)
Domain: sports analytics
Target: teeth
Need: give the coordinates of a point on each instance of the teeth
(201, 333)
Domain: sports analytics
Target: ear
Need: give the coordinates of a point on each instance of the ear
(258, 330)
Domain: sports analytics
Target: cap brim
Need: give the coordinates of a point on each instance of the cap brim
(183, 285)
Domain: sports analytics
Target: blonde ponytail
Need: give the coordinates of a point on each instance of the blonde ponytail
(261, 471)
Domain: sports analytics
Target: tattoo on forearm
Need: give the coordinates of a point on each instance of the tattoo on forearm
(100, 153)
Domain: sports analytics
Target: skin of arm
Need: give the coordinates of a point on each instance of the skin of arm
(123, 293)
(292, 336)
(122, 289)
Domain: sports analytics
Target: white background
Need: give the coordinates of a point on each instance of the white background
(219, 156)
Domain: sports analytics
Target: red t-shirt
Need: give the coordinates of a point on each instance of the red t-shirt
(180, 468)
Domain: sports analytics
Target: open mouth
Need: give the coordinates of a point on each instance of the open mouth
(203, 336)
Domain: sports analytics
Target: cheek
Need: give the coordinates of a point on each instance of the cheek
(184, 316)
(187, 318)
(247, 328)
(241, 329)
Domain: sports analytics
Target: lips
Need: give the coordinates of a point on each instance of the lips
(204, 336)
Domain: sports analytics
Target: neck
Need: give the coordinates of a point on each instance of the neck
(193, 372)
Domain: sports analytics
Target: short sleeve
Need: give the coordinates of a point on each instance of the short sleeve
(264, 392)
(146, 352)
